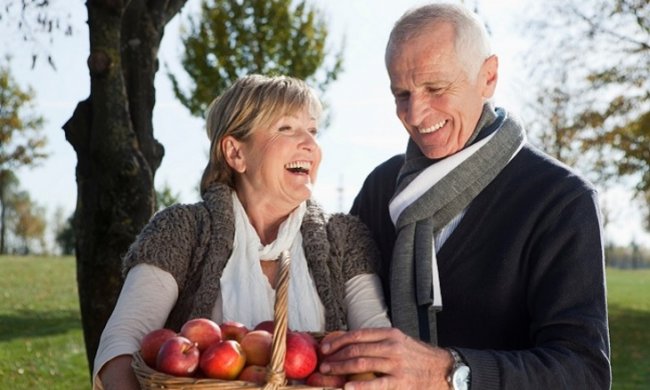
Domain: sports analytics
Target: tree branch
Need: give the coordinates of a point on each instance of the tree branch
(599, 28)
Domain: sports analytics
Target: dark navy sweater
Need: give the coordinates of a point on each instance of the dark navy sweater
(522, 276)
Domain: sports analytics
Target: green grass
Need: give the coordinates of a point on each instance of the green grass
(41, 343)
(629, 323)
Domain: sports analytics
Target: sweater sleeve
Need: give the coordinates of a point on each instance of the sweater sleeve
(356, 247)
(146, 299)
(566, 299)
(365, 304)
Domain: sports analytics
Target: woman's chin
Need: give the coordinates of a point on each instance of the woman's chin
(300, 193)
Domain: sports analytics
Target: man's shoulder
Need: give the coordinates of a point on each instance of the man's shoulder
(539, 167)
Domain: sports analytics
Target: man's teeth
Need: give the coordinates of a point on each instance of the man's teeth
(433, 128)
(299, 166)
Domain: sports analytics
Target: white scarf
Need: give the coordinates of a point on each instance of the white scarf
(247, 295)
(425, 180)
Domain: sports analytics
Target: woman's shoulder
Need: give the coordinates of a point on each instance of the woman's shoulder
(177, 215)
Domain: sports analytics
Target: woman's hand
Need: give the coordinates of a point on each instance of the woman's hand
(117, 374)
(401, 361)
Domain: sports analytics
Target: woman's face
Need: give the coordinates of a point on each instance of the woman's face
(280, 163)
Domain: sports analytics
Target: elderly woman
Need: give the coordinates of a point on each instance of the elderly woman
(216, 258)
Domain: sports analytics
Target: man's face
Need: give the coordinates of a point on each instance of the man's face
(438, 103)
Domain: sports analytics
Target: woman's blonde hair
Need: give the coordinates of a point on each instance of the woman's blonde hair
(251, 102)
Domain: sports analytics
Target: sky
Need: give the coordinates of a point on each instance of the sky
(363, 132)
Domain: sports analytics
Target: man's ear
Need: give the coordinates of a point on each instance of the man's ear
(233, 153)
(490, 75)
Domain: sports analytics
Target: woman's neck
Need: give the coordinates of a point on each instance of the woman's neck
(265, 216)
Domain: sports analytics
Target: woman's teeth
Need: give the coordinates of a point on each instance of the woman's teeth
(298, 166)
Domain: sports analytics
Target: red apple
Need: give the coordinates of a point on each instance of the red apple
(258, 347)
(300, 359)
(255, 374)
(151, 342)
(233, 330)
(268, 326)
(223, 360)
(178, 356)
(310, 338)
(201, 331)
(317, 379)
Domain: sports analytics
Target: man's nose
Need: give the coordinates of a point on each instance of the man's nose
(417, 110)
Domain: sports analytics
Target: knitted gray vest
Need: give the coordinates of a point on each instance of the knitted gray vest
(193, 243)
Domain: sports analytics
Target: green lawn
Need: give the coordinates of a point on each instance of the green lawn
(41, 344)
(629, 323)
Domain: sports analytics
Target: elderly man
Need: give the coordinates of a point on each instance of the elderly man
(492, 252)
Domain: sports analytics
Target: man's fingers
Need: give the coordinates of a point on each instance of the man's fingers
(354, 366)
(331, 344)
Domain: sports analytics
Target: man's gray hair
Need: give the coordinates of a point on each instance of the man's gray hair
(472, 43)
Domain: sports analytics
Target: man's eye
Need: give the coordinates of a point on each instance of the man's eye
(401, 96)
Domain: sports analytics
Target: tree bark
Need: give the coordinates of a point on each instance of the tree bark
(117, 154)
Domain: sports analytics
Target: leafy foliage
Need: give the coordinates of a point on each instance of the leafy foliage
(21, 144)
(28, 222)
(65, 237)
(20, 140)
(604, 55)
(234, 38)
(165, 197)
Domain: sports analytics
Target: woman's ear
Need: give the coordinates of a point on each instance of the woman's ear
(233, 153)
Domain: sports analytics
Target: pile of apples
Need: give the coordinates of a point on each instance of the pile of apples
(230, 351)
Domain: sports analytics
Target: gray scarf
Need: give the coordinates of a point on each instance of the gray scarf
(412, 308)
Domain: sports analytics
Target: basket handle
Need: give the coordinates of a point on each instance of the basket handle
(276, 376)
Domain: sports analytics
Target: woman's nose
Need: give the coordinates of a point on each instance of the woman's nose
(308, 140)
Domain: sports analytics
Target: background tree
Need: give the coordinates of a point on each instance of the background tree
(8, 186)
(117, 155)
(21, 141)
(165, 197)
(230, 39)
(604, 55)
(62, 227)
(28, 223)
(553, 128)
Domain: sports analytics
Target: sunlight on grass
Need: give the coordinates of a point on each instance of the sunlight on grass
(41, 343)
(629, 316)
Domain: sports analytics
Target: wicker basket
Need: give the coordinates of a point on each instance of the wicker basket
(276, 378)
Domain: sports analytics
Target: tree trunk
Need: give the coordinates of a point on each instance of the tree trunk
(117, 155)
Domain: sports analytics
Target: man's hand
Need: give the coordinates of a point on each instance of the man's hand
(401, 361)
